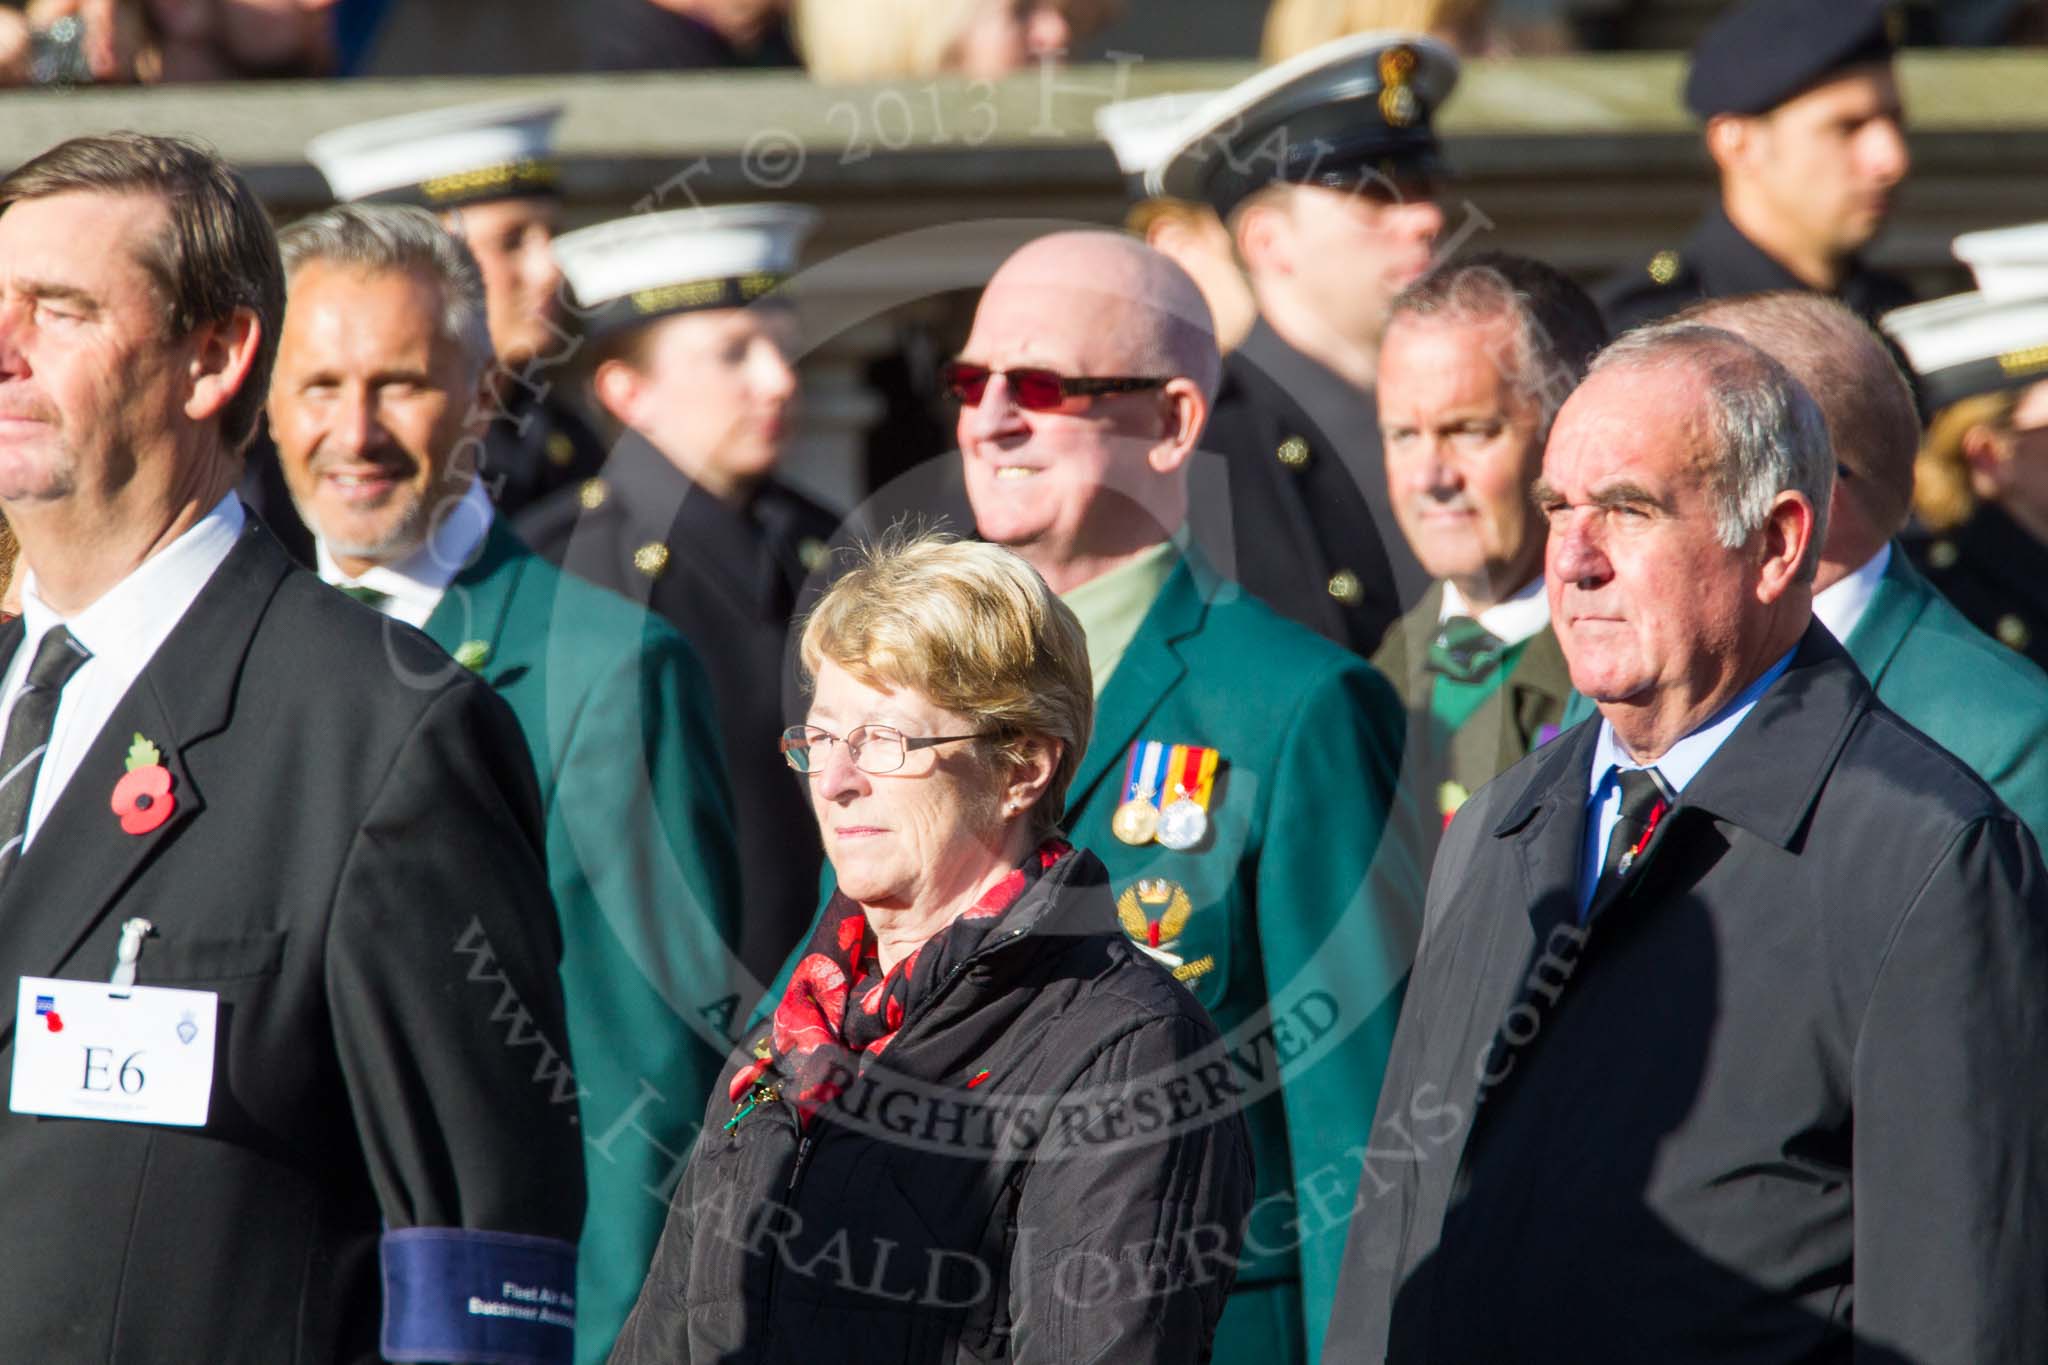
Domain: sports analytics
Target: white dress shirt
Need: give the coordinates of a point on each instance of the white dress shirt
(123, 631)
(414, 585)
(1511, 621)
(1842, 605)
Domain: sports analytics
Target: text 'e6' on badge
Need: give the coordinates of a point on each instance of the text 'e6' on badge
(94, 1050)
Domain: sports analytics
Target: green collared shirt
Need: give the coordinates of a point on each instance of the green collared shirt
(1112, 607)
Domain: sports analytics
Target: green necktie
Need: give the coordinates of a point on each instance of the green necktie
(1464, 651)
(369, 597)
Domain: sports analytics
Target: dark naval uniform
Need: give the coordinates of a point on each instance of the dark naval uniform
(1754, 58)
(1716, 262)
(1308, 527)
(1302, 518)
(534, 447)
(1996, 574)
(727, 578)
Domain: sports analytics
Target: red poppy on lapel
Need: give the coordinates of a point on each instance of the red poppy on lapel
(142, 798)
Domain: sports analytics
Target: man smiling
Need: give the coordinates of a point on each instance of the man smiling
(1239, 782)
(383, 350)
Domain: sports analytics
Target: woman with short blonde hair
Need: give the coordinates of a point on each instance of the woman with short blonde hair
(967, 985)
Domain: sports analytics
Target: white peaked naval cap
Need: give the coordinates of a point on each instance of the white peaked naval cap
(444, 158)
(632, 270)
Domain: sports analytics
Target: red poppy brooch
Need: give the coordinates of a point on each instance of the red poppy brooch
(142, 798)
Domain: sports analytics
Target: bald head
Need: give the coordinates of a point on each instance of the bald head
(1872, 423)
(1127, 308)
(1083, 484)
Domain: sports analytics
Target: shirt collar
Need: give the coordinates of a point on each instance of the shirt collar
(1682, 762)
(1842, 604)
(418, 580)
(1512, 621)
(129, 620)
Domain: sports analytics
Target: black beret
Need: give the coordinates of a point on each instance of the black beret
(1763, 52)
(1346, 114)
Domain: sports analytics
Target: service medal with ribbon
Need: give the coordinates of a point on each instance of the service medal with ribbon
(1153, 769)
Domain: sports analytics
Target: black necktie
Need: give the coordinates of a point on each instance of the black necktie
(28, 735)
(1642, 806)
(1464, 651)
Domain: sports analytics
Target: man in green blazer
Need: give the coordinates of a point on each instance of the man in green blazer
(1240, 782)
(1477, 359)
(1982, 702)
(380, 356)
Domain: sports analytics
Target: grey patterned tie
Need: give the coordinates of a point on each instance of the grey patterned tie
(28, 735)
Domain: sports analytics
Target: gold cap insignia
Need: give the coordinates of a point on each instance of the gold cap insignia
(592, 494)
(1664, 267)
(651, 558)
(1398, 105)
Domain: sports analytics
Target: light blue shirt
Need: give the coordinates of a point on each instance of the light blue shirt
(1680, 764)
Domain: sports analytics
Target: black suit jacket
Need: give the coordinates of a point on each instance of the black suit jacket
(1776, 1102)
(353, 865)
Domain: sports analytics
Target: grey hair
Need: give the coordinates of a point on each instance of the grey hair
(1769, 435)
(398, 237)
(1557, 327)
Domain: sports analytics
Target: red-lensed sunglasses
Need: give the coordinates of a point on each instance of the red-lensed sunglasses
(1033, 389)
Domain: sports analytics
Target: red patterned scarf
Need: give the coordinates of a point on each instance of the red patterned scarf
(816, 1038)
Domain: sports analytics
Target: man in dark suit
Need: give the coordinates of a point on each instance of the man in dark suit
(1805, 129)
(1707, 1051)
(1479, 357)
(692, 337)
(1325, 168)
(383, 349)
(345, 1126)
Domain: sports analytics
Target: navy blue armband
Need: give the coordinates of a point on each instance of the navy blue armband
(493, 1298)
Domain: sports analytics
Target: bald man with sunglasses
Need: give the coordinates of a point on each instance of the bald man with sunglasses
(1241, 773)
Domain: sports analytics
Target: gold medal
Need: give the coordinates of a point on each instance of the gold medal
(1135, 821)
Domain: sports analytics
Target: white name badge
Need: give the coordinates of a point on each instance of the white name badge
(90, 1050)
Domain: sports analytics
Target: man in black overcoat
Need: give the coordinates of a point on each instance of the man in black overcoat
(1720, 1039)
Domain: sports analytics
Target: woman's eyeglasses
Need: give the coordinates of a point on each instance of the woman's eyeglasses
(873, 748)
(1034, 390)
